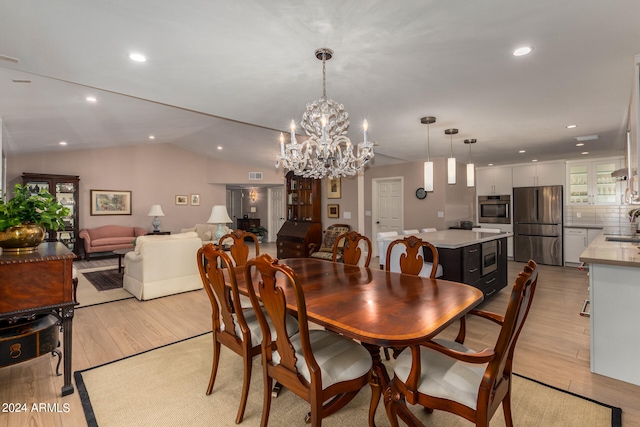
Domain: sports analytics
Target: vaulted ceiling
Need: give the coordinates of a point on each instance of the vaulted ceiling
(233, 74)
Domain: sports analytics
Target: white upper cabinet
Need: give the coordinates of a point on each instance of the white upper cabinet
(493, 180)
(590, 183)
(537, 174)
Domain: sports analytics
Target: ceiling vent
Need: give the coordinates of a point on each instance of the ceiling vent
(255, 176)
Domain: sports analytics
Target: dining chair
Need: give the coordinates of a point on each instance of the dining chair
(429, 230)
(324, 250)
(317, 365)
(409, 260)
(238, 330)
(379, 237)
(410, 232)
(449, 376)
(348, 245)
(239, 249)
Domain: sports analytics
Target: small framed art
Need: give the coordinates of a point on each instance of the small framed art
(333, 211)
(182, 199)
(195, 200)
(110, 202)
(333, 188)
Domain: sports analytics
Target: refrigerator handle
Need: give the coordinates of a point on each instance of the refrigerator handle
(535, 204)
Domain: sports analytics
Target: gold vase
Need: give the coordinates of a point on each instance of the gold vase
(21, 238)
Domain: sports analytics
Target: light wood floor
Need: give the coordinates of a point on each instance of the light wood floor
(553, 347)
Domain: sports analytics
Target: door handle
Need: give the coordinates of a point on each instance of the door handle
(377, 222)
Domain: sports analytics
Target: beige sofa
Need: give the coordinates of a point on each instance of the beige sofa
(162, 265)
(207, 232)
(108, 238)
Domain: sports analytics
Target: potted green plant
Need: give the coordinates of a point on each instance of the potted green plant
(259, 231)
(25, 217)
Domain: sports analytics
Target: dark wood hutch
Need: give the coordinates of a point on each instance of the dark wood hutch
(303, 225)
(65, 189)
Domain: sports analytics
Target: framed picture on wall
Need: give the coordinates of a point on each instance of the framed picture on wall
(195, 200)
(182, 199)
(333, 188)
(110, 202)
(333, 211)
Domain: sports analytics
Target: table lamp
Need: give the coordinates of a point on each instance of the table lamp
(156, 211)
(219, 216)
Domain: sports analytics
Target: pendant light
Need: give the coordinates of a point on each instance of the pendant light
(428, 165)
(471, 178)
(451, 162)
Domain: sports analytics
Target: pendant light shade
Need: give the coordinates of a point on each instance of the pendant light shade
(471, 170)
(451, 162)
(428, 165)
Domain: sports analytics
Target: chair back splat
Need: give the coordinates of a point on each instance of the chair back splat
(351, 251)
(302, 363)
(449, 376)
(412, 261)
(240, 250)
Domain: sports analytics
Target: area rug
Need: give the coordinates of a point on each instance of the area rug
(87, 294)
(166, 387)
(105, 280)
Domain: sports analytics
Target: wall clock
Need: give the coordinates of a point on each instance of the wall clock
(421, 193)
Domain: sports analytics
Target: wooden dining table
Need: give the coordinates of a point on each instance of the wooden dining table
(376, 307)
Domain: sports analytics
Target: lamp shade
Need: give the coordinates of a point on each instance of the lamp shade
(219, 215)
(156, 210)
(451, 170)
(428, 176)
(470, 175)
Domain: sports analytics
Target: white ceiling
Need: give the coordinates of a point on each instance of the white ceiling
(234, 73)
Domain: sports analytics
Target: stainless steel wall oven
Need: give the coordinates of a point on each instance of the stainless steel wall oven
(494, 209)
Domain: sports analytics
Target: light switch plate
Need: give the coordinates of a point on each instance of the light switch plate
(440, 214)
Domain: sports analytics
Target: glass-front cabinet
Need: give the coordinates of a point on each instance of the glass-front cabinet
(65, 190)
(591, 183)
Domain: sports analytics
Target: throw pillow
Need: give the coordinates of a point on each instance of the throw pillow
(206, 236)
(330, 237)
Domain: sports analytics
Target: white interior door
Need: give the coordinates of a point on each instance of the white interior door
(388, 207)
(276, 211)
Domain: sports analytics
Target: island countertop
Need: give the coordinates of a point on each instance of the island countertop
(602, 251)
(453, 239)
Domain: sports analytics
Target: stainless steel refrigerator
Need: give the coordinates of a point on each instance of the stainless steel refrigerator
(537, 228)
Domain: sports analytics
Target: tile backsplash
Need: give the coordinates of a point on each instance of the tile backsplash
(613, 219)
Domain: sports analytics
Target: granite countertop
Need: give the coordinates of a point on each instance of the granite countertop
(602, 251)
(453, 239)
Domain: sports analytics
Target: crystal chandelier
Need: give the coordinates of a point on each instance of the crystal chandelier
(328, 151)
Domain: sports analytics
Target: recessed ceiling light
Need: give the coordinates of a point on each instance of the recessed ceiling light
(138, 57)
(219, 147)
(572, 126)
(522, 50)
(585, 152)
(579, 144)
(490, 164)
(522, 151)
(534, 160)
(152, 137)
(91, 99)
(62, 142)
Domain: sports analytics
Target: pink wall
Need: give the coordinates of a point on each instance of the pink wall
(154, 174)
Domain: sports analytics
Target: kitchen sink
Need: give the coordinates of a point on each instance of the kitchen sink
(625, 239)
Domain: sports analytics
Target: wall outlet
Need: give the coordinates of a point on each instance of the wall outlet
(440, 214)
(346, 215)
(367, 213)
(578, 214)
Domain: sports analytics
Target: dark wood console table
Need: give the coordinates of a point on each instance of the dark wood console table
(41, 282)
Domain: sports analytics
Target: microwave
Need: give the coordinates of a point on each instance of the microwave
(494, 209)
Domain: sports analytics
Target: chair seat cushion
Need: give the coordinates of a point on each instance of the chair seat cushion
(443, 376)
(254, 326)
(325, 255)
(340, 358)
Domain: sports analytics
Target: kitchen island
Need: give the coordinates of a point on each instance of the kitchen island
(614, 280)
(472, 257)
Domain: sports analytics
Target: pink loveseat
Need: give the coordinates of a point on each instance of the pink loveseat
(109, 238)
